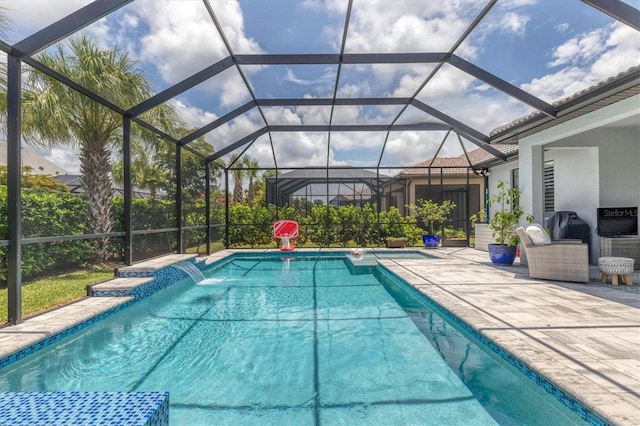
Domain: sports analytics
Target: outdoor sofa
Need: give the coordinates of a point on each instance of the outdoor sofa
(558, 260)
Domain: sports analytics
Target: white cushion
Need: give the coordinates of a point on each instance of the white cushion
(538, 235)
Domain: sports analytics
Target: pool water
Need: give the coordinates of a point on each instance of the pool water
(271, 341)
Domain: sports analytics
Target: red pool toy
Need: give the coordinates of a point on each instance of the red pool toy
(285, 230)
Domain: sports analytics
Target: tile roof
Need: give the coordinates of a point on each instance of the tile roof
(458, 165)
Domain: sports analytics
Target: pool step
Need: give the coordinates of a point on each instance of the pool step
(148, 267)
(84, 408)
(117, 287)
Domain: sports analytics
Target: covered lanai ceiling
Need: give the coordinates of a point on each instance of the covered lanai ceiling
(363, 83)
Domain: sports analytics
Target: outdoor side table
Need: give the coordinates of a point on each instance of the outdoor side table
(616, 266)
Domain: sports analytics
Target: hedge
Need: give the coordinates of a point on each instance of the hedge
(59, 213)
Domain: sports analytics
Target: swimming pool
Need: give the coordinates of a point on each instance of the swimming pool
(272, 341)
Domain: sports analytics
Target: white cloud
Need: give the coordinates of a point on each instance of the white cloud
(282, 116)
(225, 134)
(623, 52)
(587, 59)
(66, 158)
(260, 151)
(351, 141)
(561, 84)
(408, 148)
(29, 16)
(195, 117)
(562, 27)
(514, 23)
(329, 75)
(447, 82)
(407, 26)
(580, 49)
(515, 4)
(300, 149)
(330, 6)
(182, 40)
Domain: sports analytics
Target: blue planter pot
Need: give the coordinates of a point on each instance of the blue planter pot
(431, 241)
(501, 254)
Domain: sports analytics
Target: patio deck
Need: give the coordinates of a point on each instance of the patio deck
(584, 338)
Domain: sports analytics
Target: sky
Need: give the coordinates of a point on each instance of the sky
(549, 48)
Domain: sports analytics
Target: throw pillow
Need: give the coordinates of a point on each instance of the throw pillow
(538, 235)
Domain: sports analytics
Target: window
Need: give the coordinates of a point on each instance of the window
(515, 178)
(549, 187)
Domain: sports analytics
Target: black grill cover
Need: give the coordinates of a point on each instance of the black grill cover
(567, 225)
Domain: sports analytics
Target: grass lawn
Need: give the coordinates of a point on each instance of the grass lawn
(49, 292)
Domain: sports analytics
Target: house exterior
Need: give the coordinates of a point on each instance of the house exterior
(593, 148)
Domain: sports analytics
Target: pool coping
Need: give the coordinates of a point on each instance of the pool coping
(605, 404)
(39, 331)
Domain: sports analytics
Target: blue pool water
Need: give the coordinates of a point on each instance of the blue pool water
(267, 341)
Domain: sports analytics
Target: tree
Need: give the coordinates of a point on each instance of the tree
(28, 180)
(5, 28)
(260, 185)
(238, 178)
(146, 171)
(252, 174)
(54, 114)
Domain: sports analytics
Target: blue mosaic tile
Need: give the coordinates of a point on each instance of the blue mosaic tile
(568, 401)
(84, 408)
(111, 293)
(9, 359)
(133, 274)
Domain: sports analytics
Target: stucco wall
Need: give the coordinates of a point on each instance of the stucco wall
(500, 173)
(618, 163)
(576, 172)
(603, 170)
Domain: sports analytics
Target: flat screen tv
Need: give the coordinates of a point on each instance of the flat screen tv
(617, 221)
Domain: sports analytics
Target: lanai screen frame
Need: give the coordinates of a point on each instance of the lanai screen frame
(23, 53)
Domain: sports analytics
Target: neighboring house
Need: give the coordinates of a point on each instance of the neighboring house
(337, 186)
(38, 164)
(357, 198)
(73, 183)
(445, 178)
(41, 166)
(586, 158)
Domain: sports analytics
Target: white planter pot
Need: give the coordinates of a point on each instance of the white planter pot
(484, 237)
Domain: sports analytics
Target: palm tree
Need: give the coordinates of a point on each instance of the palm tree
(146, 172)
(5, 28)
(252, 174)
(238, 178)
(57, 115)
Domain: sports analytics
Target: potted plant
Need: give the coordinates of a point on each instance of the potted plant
(429, 212)
(454, 237)
(395, 242)
(504, 222)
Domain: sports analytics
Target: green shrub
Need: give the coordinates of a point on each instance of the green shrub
(48, 214)
(146, 213)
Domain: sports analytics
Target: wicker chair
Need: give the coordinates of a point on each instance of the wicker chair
(562, 260)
